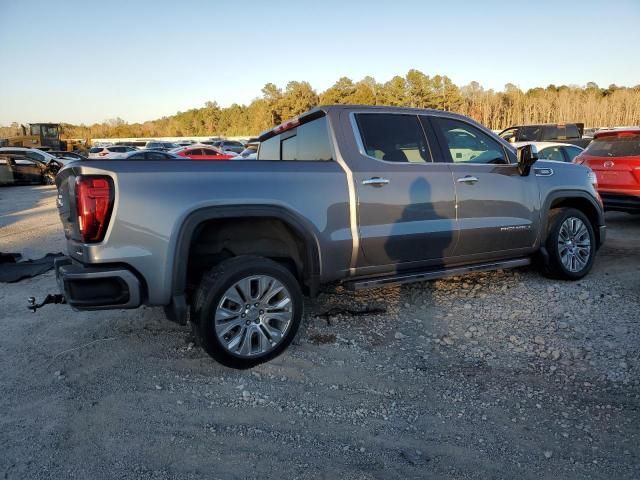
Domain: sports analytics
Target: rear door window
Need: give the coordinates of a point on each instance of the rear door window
(530, 133)
(393, 138)
(95, 149)
(35, 156)
(549, 132)
(552, 153)
(572, 152)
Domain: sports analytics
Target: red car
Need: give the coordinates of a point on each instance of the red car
(614, 156)
(202, 152)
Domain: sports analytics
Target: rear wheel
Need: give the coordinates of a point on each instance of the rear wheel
(247, 311)
(570, 244)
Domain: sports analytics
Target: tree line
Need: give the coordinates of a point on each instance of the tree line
(590, 104)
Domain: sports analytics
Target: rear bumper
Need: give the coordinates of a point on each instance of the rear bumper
(97, 288)
(621, 202)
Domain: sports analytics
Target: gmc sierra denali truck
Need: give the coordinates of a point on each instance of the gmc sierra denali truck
(353, 195)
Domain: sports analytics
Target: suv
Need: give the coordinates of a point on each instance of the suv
(352, 195)
(614, 156)
(114, 151)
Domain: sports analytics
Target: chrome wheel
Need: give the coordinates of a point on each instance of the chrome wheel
(253, 316)
(574, 244)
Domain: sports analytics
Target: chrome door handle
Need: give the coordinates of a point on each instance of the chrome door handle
(376, 181)
(467, 179)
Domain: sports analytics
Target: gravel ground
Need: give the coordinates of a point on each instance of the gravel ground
(493, 375)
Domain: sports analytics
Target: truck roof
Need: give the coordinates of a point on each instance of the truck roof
(326, 109)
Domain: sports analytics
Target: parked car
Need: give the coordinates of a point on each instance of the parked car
(67, 155)
(201, 152)
(35, 154)
(557, 152)
(614, 156)
(230, 146)
(160, 146)
(114, 151)
(17, 169)
(551, 132)
(250, 151)
(352, 195)
(150, 155)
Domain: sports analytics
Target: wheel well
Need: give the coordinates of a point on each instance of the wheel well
(585, 206)
(218, 239)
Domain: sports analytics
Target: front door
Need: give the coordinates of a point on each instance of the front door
(406, 201)
(497, 208)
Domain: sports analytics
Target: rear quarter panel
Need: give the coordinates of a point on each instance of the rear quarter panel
(153, 199)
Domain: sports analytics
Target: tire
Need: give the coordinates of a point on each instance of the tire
(567, 244)
(243, 334)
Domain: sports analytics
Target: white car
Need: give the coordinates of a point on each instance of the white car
(554, 151)
(114, 151)
(35, 154)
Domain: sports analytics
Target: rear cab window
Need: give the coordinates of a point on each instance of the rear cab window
(307, 142)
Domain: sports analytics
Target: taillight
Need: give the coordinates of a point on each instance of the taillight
(94, 202)
(579, 160)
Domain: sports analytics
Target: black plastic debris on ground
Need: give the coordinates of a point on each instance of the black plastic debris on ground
(13, 269)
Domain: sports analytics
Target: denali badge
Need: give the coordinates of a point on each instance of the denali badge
(513, 228)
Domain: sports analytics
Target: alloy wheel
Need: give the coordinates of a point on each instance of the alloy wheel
(253, 316)
(574, 244)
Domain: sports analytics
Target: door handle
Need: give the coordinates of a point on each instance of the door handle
(468, 179)
(376, 181)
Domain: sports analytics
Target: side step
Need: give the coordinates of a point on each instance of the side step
(400, 278)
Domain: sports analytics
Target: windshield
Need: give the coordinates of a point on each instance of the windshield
(626, 146)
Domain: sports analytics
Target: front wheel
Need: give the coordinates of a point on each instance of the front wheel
(570, 243)
(247, 311)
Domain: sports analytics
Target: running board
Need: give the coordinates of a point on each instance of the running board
(401, 278)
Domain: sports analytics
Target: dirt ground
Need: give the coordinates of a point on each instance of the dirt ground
(495, 375)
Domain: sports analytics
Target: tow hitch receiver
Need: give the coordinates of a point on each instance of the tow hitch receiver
(51, 298)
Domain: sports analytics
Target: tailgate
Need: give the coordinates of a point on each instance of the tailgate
(616, 172)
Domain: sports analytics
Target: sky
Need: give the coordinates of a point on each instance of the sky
(88, 61)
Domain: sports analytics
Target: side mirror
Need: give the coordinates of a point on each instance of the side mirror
(527, 156)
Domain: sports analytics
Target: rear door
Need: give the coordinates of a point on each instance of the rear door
(406, 201)
(27, 170)
(497, 209)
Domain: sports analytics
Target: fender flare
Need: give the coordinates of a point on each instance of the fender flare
(178, 308)
(574, 194)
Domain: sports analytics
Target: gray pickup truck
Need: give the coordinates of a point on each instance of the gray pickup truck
(352, 195)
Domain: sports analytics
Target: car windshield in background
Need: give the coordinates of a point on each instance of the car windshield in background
(627, 146)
